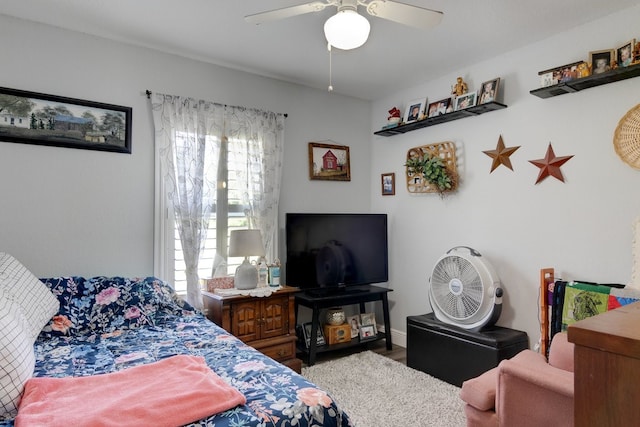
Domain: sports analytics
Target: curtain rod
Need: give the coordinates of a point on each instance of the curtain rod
(149, 93)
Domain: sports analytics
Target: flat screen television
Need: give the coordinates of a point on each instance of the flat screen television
(333, 251)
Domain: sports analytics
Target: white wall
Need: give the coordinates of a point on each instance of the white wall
(582, 227)
(67, 211)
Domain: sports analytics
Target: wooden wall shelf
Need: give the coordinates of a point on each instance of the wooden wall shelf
(577, 85)
(454, 115)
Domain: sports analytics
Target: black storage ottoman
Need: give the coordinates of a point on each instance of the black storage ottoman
(454, 354)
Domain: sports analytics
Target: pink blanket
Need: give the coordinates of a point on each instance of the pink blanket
(171, 392)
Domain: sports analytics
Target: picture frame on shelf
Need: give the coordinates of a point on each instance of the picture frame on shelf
(624, 54)
(367, 333)
(439, 107)
(329, 162)
(388, 184)
(547, 78)
(306, 332)
(466, 100)
(489, 91)
(601, 60)
(564, 73)
(354, 322)
(59, 121)
(368, 319)
(414, 110)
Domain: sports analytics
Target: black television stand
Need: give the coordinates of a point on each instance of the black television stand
(334, 290)
(360, 294)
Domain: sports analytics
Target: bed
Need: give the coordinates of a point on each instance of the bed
(105, 325)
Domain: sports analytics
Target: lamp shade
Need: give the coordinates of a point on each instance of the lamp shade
(347, 29)
(245, 243)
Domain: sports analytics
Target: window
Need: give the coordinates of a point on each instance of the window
(241, 152)
(224, 217)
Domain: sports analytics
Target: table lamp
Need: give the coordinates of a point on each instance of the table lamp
(246, 243)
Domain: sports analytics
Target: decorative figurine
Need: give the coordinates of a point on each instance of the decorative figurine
(459, 88)
(584, 70)
(394, 116)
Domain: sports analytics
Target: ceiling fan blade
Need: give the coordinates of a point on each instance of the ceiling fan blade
(401, 13)
(286, 12)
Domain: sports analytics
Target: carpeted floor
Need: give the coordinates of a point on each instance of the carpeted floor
(379, 392)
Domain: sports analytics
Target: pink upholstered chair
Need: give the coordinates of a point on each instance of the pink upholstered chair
(525, 390)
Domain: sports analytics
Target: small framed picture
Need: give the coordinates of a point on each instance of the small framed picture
(466, 100)
(624, 54)
(368, 319)
(306, 330)
(439, 107)
(489, 91)
(367, 332)
(546, 78)
(388, 184)
(601, 60)
(563, 74)
(354, 322)
(415, 109)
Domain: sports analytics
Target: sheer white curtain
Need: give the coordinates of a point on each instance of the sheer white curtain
(256, 140)
(194, 141)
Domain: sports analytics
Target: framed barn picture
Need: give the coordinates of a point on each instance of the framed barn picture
(329, 162)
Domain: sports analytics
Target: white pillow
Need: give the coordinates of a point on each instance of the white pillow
(37, 302)
(17, 359)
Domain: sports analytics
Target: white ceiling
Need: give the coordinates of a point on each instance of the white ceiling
(394, 58)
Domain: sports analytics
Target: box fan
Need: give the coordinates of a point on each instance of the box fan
(465, 290)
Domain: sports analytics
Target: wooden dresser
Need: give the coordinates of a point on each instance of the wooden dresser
(265, 323)
(607, 368)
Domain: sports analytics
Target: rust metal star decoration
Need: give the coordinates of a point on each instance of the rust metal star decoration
(550, 165)
(501, 155)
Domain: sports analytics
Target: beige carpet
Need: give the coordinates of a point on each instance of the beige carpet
(376, 391)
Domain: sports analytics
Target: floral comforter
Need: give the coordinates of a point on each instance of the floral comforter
(110, 324)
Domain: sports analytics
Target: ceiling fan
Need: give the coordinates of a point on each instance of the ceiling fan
(347, 29)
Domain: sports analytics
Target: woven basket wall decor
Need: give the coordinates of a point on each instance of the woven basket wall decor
(446, 151)
(626, 139)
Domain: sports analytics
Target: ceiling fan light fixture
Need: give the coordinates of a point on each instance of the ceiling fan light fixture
(347, 29)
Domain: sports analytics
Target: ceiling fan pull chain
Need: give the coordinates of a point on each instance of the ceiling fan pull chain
(330, 88)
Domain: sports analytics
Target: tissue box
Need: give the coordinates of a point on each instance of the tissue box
(219, 283)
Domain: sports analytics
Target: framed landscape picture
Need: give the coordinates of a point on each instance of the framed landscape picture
(41, 119)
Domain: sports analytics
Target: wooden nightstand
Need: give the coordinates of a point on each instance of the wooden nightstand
(265, 323)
